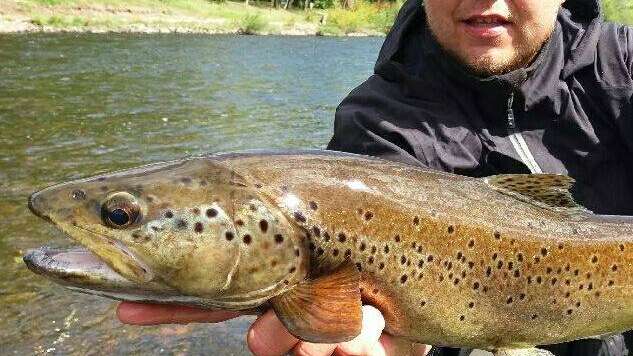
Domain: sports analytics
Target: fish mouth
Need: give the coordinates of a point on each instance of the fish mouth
(78, 269)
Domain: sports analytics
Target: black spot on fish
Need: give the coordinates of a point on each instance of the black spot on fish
(78, 194)
(614, 268)
(279, 238)
(456, 281)
(548, 270)
(316, 231)
(403, 278)
(263, 225)
(422, 303)
(181, 224)
(421, 263)
(381, 266)
(569, 311)
(471, 305)
(499, 264)
(560, 246)
(553, 281)
(185, 180)
(369, 215)
(319, 251)
(509, 300)
(419, 250)
(577, 304)
(534, 316)
(239, 222)
(537, 259)
(335, 252)
(471, 243)
(416, 220)
(510, 265)
(494, 256)
(611, 283)
(342, 237)
(594, 259)
(497, 235)
(297, 252)
(451, 229)
(461, 318)
(204, 183)
(229, 235)
(471, 264)
(386, 248)
(362, 246)
(543, 251)
(370, 260)
(211, 213)
(539, 280)
(311, 246)
(326, 236)
(299, 216)
(373, 250)
(359, 267)
(621, 247)
(520, 257)
(403, 259)
(459, 255)
(521, 296)
(247, 239)
(396, 238)
(517, 273)
(488, 271)
(313, 205)
(576, 272)
(429, 258)
(198, 227)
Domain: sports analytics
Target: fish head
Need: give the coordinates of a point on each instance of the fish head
(193, 226)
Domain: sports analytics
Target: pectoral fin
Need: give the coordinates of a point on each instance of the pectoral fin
(323, 310)
(523, 352)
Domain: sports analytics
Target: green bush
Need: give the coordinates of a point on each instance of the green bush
(618, 10)
(251, 24)
(323, 4)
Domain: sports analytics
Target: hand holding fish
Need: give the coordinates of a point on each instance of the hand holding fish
(267, 336)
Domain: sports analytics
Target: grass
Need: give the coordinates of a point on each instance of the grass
(369, 17)
(205, 16)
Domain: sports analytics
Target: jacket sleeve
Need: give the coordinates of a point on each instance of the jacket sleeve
(364, 124)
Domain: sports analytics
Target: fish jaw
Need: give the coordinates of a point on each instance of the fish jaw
(80, 270)
(113, 252)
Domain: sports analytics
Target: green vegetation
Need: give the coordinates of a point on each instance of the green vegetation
(326, 17)
(618, 10)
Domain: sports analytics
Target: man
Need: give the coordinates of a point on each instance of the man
(482, 87)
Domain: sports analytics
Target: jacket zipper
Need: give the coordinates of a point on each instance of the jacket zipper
(518, 142)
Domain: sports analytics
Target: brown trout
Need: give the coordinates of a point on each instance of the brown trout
(500, 263)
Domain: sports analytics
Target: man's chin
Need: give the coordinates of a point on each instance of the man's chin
(490, 64)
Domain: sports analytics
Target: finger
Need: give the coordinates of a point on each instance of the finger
(399, 346)
(152, 314)
(268, 337)
(367, 342)
(309, 349)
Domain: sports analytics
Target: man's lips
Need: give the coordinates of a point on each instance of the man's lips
(486, 26)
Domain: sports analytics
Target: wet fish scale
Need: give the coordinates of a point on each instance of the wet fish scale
(492, 281)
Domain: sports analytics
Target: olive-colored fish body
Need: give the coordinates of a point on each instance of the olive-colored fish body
(503, 262)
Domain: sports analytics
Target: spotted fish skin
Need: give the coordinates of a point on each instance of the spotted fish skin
(449, 260)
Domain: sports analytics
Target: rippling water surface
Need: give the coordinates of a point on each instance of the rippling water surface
(77, 105)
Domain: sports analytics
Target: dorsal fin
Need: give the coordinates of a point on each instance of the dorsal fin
(550, 191)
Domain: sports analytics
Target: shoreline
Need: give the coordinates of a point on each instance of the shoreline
(81, 16)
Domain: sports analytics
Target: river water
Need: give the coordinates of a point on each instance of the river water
(78, 105)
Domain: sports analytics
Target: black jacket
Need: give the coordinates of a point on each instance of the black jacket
(570, 112)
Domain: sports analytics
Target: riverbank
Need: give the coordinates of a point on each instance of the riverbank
(192, 16)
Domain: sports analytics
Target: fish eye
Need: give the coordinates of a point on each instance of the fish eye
(120, 210)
